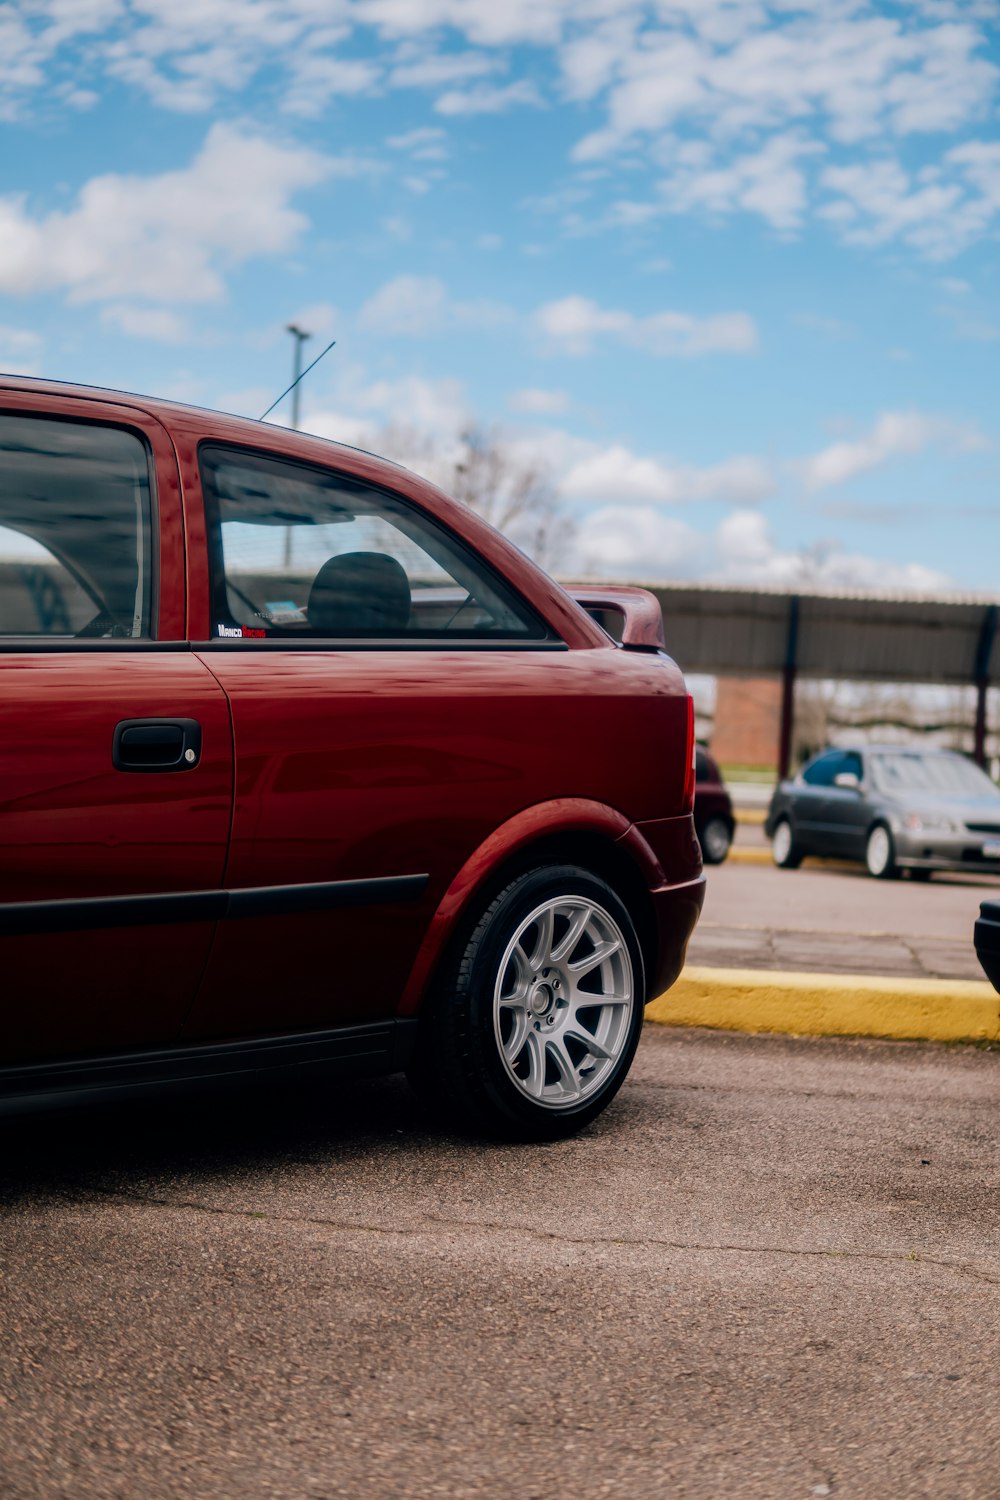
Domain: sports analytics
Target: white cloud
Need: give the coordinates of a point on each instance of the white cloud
(318, 79)
(535, 402)
(574, 323)
(759, 86)
(769, 182)
(167, 238)
(157, 323)
(616, 474)
(646, 545)
(415, 68)
(487, 98)
(418, 305)
(895, 434)
(428, 143)
(435, 409)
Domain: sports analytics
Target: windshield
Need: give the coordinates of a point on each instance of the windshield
(940, 775)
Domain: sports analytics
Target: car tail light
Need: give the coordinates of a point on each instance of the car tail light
(691, 751)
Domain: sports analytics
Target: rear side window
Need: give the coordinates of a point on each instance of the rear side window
(299, 552)
(74, 529)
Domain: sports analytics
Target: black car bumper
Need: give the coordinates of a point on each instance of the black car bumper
(988, 941)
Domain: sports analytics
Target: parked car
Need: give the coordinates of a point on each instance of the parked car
(987, 939)
(713, 809)
(304, 764)
(891, 806)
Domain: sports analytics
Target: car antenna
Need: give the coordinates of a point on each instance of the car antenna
(295, 382)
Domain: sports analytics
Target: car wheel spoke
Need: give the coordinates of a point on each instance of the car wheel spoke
(566, 946)
(564, 1003)
(594, 959)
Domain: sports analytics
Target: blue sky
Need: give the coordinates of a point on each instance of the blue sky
(726, 268)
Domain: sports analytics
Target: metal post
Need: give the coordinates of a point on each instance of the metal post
(981, 681)
(788, 689)
(300, 336)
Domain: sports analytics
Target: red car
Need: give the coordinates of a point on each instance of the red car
(304, 765)
(713, 809)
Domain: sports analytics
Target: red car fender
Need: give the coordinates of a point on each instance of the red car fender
(562, 815)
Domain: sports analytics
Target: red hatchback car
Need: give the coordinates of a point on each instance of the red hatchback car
(304, 765)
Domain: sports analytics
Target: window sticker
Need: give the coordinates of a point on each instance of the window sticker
(284, 612)
(241, 633)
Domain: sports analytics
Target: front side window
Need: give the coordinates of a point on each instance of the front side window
(822, 770)
(299, 552)
(74, 529)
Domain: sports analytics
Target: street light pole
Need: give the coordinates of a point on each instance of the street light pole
(300, 336)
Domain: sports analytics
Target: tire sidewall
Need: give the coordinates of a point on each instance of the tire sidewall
(788, 854)
(477, 982)
(710, 856)
(890, 863)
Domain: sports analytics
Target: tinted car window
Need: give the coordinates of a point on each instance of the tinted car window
(821, 771)
(74, 529)
(298, 551)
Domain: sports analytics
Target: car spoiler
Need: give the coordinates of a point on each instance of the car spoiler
(640, 610)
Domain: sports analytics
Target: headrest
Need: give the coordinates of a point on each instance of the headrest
(359, 591)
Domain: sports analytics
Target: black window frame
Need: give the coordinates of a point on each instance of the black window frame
(28, 643)
(546, 639)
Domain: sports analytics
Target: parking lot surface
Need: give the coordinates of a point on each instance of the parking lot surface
(839, 920)
(770, 1270)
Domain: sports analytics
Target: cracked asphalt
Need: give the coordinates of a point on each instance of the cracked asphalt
(840, 921)
(770, 1270)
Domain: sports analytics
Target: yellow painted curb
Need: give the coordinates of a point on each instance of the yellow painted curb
(940, 1010)
(749, 857)
(750, 817)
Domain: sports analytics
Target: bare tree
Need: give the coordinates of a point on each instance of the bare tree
(482, 467)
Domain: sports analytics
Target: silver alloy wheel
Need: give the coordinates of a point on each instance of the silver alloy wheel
(716, 840)
(878, 852)
(563, 1002)
(781, 843)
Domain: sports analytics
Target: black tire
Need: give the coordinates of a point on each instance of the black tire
(880, 853)
(715, 839)
(459, 1070)
(785, 852)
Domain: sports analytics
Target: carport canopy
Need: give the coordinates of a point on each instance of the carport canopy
(845, 634)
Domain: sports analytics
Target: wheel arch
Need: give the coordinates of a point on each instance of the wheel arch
(571, 831)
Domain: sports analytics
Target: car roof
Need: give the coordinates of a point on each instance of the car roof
(223, 425)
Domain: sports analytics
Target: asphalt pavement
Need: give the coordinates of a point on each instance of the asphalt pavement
(838, 920)
(771, 1270)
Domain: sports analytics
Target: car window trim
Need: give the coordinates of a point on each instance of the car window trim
(154, 512)
(549, 638)
(370, 643)
(32, 644)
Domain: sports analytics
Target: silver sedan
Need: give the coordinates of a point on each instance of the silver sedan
(892, 807)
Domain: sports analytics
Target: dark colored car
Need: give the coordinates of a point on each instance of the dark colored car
(713, 809)
(987, 938)
(303, 764)
(893, 807)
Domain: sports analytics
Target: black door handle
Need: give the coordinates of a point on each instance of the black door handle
(156, 745)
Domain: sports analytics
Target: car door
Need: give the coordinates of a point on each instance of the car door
(809, 802)
(392, 704)
(111, 840)
(845, 814)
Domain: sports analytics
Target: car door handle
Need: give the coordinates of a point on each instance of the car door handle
(156, 745)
